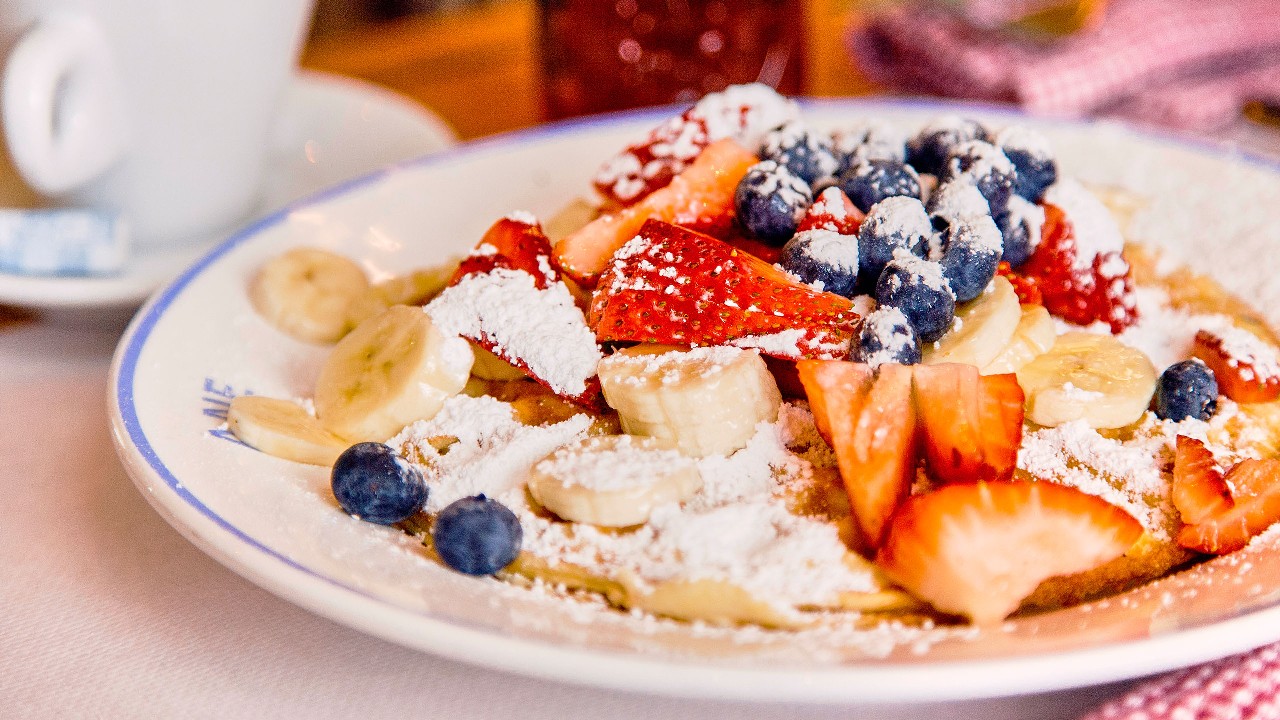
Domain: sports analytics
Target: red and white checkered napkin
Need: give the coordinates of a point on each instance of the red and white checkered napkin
(1242, 687)
(1183, 63)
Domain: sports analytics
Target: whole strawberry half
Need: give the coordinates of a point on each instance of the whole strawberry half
(979, 549)
(971, 424)
(514, 244)
(671, 285)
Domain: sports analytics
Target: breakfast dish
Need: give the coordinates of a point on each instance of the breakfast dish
(279, 522)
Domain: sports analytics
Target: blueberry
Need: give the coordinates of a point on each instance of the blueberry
(477, 535)
(770, 200)
(987, 167)
(869, 182)
(896, 223)
(373, 483)
(927, 151)
(970, 254)
(950, 203)
(1031, 155)
(807, 155)
(918, 288)
(1186, 389)
(887, 337)
(823, 256)
(871, 141)
(1020, 225)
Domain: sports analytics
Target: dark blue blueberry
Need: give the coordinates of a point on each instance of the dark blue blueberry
(927, 151)
(1020, 225)
(870, 182)
(873, 141)
(1030, 154)
(1186, 389)
(806, 154)
(896, 223)
(970, 253)
(477, 535)
(823, 256)
(919, 289)
(887, 337)
(987, 167)
(373, 483)
(770, 201)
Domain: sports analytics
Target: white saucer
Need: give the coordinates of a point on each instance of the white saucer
(330, 129)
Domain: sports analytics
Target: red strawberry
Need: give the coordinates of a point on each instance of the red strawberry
(1026, 288)
(701, 197)
(1199, 491)
(673, 286)
(1256, 506)
(971, 424)
(768, 253)
(979, 549)
(832, 210)
(1246, 368)
(869, 419)
(514, 244)
(1082, 291)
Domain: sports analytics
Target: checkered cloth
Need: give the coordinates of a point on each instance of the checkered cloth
(1244, 687)
(1187, 64)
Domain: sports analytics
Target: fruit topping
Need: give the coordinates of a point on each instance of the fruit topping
(743, 113)
(971, 249)
(928, 149)
(971, 424)
(373, 483)
(1222, 511)
(674, 286)
(983, 328)
(770, 200)
(1199, 490)
(955, 200)
(806, 154)
(979, 549)
(1246, 368)
(700, 197)
(896, 223)
(1035, 335)
(867, 182)
(1027, 289)
(1094, 378)
(832, 210)
(886, 337)
(1032, 156)
(1186, 389)
(984, 165)
(869, 418)
(305, 292)
(515, 242)
(477, 535)
(874, 140)
(917, 288)
(282, 428)
(823, 259)
(1021, 225)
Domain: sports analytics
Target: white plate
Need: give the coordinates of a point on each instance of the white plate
(329, 129)
(276, 523)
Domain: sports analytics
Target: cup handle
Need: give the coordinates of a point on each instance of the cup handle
(62, 105)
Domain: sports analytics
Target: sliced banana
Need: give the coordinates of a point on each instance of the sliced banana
(305, 293)
(415, 288)
(491, 367)
(707, 401)
(283, 429)
(613, 480)
(1034, 337)
(392, 370)
(1094, 378)
(981, 329)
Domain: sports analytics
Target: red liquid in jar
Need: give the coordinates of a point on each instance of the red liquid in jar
(603, 55)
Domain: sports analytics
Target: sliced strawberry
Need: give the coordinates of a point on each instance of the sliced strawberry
(971, 424)
(869, 419)
(979, 549)
(1255, 507)
(768, 253)
(673, 286)
(1246, 368)
(1081, 290)
(1199, 490)
(1026, 288)
(701, 197)
(832, 210)
(512, 243)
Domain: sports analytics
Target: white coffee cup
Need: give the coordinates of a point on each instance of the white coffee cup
(157, 109)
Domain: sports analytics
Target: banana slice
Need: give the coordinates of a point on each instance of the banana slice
(415, 288)
(305, 293)
(392, 370)
(982, 327)
(707, 401)
(1094, 378)
(1033, 337)
(283, 429)
(613, 480)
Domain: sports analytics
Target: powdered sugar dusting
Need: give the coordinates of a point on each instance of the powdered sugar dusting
(1094, 228)
(958, 199)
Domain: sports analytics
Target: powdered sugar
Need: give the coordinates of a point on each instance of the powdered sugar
(628, 464)
(958, 199)
(1024, 139)
(892, 328)
(926, 272)
(830, 248)
(1257, 359)
(1094, 228)
(897, 216)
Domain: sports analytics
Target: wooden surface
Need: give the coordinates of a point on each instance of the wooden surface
(479, 68)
